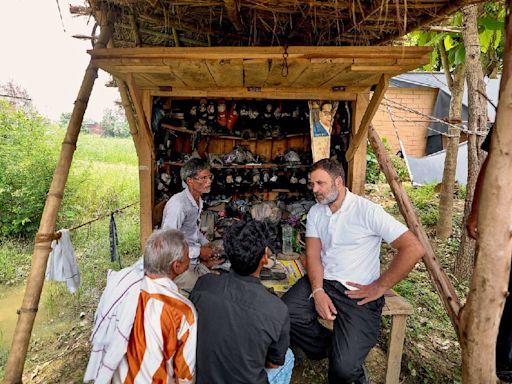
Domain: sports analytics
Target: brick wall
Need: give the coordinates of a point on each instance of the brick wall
(411, 127)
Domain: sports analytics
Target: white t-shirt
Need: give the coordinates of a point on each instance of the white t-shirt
(351, 238)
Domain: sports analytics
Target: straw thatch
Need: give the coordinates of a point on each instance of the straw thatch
(171, 23)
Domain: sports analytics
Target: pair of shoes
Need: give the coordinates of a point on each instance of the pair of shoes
(364, 377)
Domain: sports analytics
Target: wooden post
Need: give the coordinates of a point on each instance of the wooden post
(146, 156)
(362, 131)
(29, 306)
(441, 282)
(481, 315)
(357, 165)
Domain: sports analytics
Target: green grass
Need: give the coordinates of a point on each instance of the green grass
(15, 257)
(106, 150)
(103, 178)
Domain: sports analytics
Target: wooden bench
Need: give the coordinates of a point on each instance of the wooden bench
(398, 308)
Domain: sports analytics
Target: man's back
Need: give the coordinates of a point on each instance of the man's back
(241, 327)
(163, 338)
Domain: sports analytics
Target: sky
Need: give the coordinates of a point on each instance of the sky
(39, 54)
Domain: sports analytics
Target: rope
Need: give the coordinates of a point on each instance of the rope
(399, 106)
(44, 237)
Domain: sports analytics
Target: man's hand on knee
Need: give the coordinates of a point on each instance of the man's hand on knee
(324, 306)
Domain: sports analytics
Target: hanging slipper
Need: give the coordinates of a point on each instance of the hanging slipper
(232, 117)
(221, 113)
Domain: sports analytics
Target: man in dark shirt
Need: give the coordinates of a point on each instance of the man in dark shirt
(242, 327)
(504, 340)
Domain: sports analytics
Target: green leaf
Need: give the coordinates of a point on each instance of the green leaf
(497, 41)
(485, 40)
(449, 43)
(460, 54)
(491, 23)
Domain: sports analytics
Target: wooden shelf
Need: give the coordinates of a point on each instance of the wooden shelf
(230, 137)
(227, 137)
(244, 166)
(179, 129)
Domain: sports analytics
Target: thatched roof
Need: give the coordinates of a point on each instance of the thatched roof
(171, 23)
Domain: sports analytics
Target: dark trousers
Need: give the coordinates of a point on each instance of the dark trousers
(355, 332)
(504, 341)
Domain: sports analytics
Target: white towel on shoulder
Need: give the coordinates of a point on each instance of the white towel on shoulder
(113, 322)
(62, 264)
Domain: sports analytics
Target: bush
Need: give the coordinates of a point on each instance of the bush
(373, 173)
(27, 159)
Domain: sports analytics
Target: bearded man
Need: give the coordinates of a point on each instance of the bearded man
(343, 238)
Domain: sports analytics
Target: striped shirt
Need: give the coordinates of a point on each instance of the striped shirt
(162, 345)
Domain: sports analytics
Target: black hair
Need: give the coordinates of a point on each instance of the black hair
(244, 244)
(331, 166)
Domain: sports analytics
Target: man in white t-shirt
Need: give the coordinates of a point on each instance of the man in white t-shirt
(343, 237)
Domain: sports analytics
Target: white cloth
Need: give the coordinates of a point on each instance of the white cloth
(113, 322)
(183, 213)
(62, 264)
(351, 238)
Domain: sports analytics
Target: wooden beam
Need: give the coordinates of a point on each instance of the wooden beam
(42, 246)
(357, 165)
(439, 278)
(362, 132)
(146, 177)
(306, 52)
(135, 96)
(264, 93)
(233, 14)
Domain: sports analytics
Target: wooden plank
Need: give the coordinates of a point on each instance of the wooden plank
(320, 73)
(348, 78)
(362, 132)
(255, 72)
(295, 68)
(357, 165)
(136, 101)
(219, 53)
(383, 68)
(265, 93)
(395, 349)
(194, 73)
(227, 73)
(165, 79)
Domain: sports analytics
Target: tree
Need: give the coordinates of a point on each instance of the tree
(16, 96)
(27, 161)
(65, 117)
(477, 122)
(114, 123)
(456, 85)
(480, 317)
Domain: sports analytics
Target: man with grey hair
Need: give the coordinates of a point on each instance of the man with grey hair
(146, 305)
(183, 211)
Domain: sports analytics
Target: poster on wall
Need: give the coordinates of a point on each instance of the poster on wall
(321, 117)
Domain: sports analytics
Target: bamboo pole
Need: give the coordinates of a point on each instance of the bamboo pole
(29, 306)
(441, 282)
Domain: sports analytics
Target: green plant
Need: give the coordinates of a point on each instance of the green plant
(27, 159)
(373, 172)
(425, 200)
